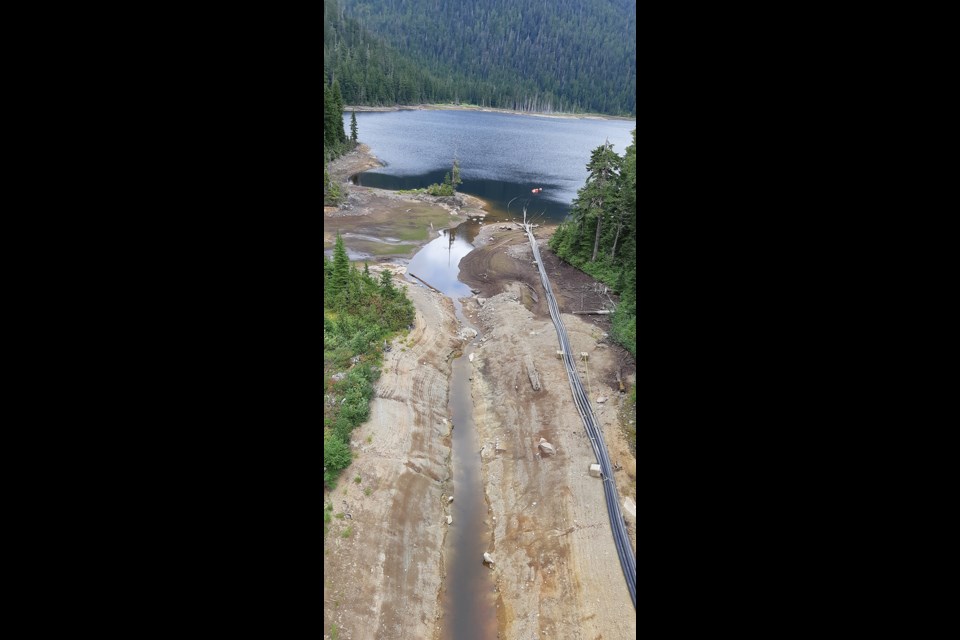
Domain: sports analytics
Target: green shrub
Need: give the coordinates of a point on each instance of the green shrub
(360, 313)
(336, 456)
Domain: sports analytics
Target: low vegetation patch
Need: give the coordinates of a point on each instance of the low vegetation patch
(369, 313)
(449, 186)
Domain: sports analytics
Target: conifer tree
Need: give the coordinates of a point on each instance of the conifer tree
(341, 268)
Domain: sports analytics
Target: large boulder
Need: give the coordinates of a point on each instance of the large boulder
(487, 558)
(547, 448)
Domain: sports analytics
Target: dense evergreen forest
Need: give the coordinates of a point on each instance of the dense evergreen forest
(359, 314)
(600, 234)
(335, 141)
(565, 55)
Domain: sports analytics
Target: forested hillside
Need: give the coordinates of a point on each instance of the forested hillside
(368, 71)
(335, 141)
(565, 55)
(601, 233)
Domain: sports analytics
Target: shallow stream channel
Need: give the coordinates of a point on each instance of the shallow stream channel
(468, 611)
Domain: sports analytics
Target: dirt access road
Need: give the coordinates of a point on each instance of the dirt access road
(383, 563)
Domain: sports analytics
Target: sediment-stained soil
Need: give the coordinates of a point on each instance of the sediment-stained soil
(379, 224)
(556, 566)
(382, 564)
(557, 570)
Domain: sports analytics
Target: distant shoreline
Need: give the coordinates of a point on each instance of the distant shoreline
(453, 107)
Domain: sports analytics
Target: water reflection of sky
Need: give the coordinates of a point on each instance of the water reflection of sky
(501, 155)
(437, 263)
(354, 256)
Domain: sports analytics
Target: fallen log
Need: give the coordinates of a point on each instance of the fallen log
(426, 283)
(599, 312)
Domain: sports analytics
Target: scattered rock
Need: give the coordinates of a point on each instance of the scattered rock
(601, 399)
(532, 373)
(487, 558)
(449, 519)
(471, 357)
(450, 499)
(546, 447)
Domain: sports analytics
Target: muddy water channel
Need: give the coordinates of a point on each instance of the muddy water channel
(467, 595)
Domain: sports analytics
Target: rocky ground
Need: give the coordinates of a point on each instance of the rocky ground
(362, 201)
(557, 571)
(382, 559)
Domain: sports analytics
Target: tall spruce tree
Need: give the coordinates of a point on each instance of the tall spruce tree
(626, 211)
(600, 192)
(338, 105)
(340, 277)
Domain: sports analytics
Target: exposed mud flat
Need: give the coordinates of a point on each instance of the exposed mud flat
(378, 224)
(557, 570)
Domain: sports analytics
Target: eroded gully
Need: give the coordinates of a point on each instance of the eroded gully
(467, 593)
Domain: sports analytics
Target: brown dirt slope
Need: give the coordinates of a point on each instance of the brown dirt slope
(383, 564)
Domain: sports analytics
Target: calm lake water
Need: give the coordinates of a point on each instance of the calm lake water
(502, 156)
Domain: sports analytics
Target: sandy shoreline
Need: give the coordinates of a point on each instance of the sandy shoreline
(452, 107)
